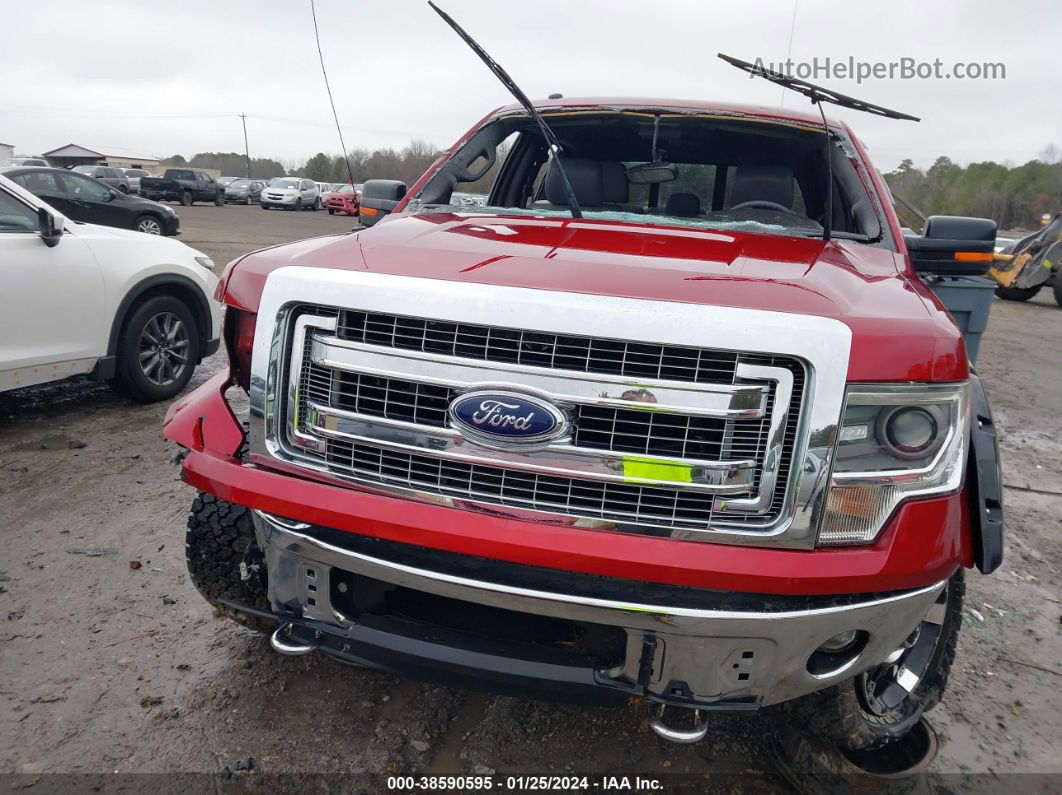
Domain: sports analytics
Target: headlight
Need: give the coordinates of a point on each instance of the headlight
(206, 262)
(895, 442)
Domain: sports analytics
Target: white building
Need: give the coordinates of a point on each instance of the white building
(76, 155)
(6, 151)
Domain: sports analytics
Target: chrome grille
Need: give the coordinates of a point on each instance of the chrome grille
(595, 427)
(637, 439)
(640, 505)
(556, 351)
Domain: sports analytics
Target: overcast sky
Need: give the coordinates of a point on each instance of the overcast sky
(158, 78)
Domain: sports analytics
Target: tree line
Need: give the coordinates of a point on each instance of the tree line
(1014, 196)
(406, 164)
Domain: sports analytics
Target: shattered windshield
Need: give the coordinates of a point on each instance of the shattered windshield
(671, 169)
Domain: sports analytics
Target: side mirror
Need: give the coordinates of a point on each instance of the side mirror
(50, 228)
(953, 246)
(379, 197)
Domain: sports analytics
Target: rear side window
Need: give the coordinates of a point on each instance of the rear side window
(39, 182)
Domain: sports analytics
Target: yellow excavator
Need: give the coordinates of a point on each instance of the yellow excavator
(1022, 268)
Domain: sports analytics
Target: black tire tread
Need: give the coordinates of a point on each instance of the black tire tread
(220, 536)
(1017, 293)
(835, 714)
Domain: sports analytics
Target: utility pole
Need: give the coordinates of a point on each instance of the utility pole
(246, 149)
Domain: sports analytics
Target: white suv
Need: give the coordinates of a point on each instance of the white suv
(291, 193)
(132, 309)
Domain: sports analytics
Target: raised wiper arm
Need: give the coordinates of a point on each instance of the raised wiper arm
(521, 97)
(813, 92)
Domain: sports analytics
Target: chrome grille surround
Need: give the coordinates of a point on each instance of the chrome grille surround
(766, 413)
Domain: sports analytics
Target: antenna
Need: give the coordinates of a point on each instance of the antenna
(328, 88)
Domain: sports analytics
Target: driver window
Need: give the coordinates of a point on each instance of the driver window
(16, 216)
(83, 187)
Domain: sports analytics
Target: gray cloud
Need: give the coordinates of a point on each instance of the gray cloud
(164, 77)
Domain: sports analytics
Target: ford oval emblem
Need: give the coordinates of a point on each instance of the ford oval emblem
(506, 419)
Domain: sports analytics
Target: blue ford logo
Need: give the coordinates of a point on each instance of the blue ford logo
(506, 418)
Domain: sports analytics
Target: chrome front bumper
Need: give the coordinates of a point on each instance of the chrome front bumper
(676, 655)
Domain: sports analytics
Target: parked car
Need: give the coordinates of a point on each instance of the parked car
(23, 161)
(82, 198)
(135, 311)
(226, 181)
(244, 191)
(342, 200)
(185, 185)
(693, 448)
(291, 193)
(114, 177)
(134, 175)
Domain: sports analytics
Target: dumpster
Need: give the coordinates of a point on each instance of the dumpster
(968, 299)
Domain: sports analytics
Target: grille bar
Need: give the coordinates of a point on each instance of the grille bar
(555, 351)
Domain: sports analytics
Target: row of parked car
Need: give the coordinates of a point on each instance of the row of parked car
(293, 193)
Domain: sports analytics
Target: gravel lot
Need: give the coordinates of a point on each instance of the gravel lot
(108, 668)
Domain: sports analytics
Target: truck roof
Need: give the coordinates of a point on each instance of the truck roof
(809, 116)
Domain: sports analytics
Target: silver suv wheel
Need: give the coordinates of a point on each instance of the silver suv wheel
(164, 349)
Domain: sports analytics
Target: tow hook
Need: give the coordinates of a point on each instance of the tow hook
(283, 642)
(683, 736)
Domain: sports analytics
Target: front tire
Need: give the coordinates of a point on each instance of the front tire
(873, 709)
(219, 199)
(219, 539)
(148, 224)
(124, 189)
(1057, 289)
(158, 349)
(1017, 293)
(331, 211)
(316, 205)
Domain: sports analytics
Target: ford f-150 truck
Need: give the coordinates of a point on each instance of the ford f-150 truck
(700, 443)
(185, 185)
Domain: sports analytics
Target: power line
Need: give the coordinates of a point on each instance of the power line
(317, 36)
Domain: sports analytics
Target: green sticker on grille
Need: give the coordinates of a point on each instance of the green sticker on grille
(653, 469)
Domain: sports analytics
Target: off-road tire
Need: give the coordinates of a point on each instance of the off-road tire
(220, 537)
(129, 379)
(837, 715)
(186, 198)
(1018, 293)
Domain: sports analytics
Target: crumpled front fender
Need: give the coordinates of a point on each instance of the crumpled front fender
(203, 419)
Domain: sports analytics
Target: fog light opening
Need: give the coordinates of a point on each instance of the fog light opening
(837, 654)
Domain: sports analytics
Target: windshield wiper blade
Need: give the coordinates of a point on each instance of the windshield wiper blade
(813, 92)
(521, 97)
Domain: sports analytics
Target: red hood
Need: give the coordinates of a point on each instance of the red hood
(899, 330)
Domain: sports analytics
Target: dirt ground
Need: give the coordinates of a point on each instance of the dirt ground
(104, 667)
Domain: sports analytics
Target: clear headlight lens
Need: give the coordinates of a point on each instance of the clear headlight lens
(206, 262)
(895, 442)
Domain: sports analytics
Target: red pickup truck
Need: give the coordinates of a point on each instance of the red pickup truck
(702, 444)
